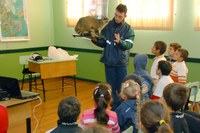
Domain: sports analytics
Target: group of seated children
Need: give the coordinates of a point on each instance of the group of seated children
(164, 115)
(165, 82)
(165, 71)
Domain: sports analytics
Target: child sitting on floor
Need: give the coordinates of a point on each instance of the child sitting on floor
(179, 69)
(163, 70)
(175, 96)
(127, 111)
(155, 118)
(158, 49)
(171, 51)
(100, 114)
(68, 112)
(140, 64)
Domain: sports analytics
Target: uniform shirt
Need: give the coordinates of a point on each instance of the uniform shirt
(162, 83)
(65, 128)
(179, 123)
(154, 66)
(179, 72)
(127, 115)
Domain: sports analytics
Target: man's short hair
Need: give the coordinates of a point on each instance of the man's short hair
(165, 67)
(69, 109)
(183, 53)
(175, 95)
(121, 8)
(160, 45)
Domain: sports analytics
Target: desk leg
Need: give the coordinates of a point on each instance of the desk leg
(30, 82)
(63, 79)
(44, 91)
(28, 125)
(75, 85)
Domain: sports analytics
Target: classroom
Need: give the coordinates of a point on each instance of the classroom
(47, 26)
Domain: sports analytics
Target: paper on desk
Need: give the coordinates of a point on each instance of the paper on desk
(59, 54)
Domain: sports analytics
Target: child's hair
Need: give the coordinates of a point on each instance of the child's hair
(155, 117)
(97, 129)
(165, 67)
(175, 46)
(160, 45)
(175, 95)
(69, 109)
(131, 89)
(183, 53)
(102, 97)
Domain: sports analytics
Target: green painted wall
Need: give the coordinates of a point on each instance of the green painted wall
(88, 65)
(48, 27)
(10, 66)
(90, 68)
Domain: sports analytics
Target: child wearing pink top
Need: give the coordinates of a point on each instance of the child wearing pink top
(100, 114)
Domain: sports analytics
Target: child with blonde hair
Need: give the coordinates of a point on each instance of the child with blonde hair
(127, 111)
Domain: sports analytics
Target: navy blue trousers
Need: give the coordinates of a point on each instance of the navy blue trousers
(115, 76)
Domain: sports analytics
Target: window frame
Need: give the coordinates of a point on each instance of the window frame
(88, 7)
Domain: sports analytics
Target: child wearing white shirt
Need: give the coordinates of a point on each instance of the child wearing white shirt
(163, 70)
(158, 49)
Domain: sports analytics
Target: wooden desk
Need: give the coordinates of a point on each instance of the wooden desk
(54, 68)
(19, 114)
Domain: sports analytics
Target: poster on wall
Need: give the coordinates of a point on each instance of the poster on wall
(13, 21)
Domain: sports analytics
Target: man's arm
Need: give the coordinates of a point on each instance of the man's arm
(127, 43)
(99, 42)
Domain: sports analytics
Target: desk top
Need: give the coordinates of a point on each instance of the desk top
(50, 61)
(14, 101)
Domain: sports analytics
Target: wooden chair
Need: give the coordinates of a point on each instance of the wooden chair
(32, 76)
(23, 60)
